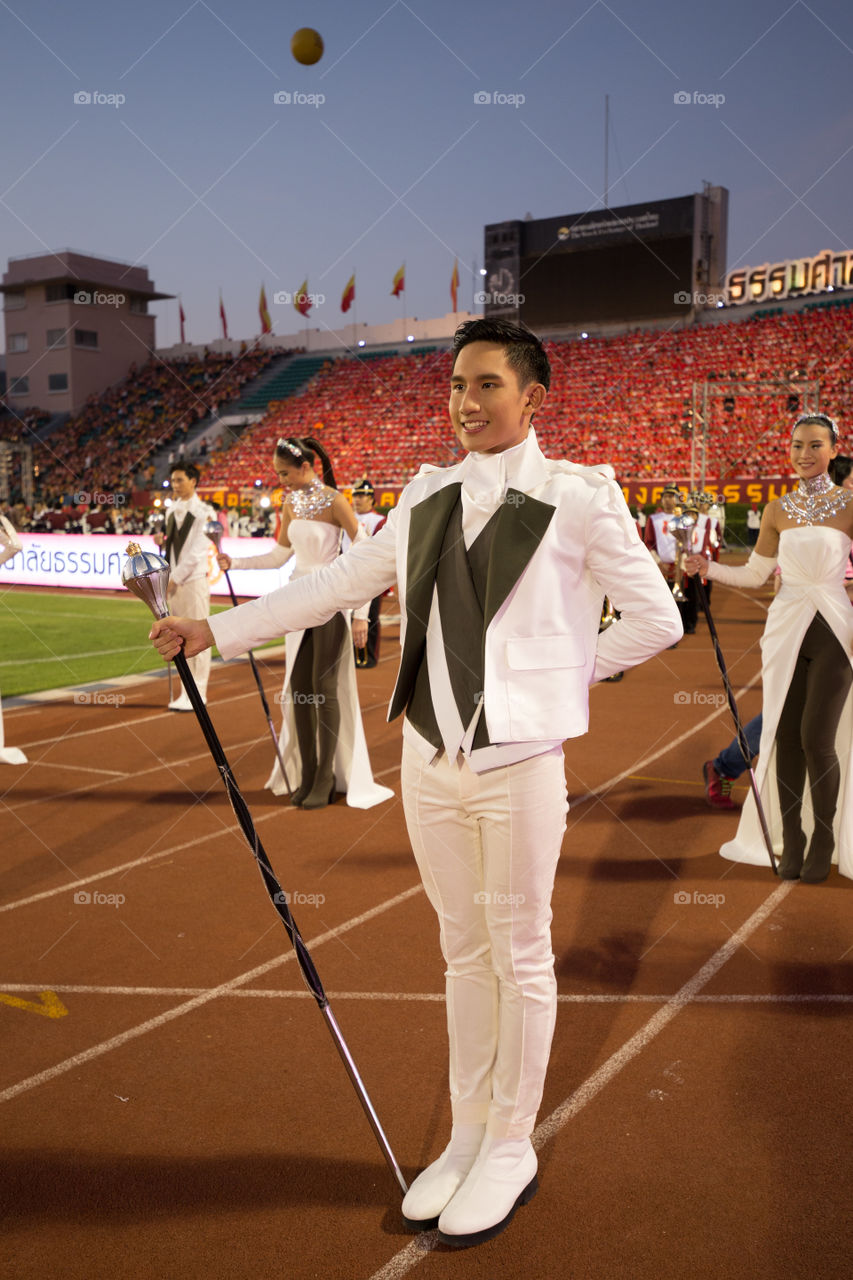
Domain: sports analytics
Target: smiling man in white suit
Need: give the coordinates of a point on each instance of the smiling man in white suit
(501, 563)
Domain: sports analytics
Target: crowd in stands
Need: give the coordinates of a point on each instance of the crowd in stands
(625, 400)
(107, 446)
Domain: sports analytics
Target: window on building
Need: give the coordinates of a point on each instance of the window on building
(63, 292)
(57, 382)
(15, 301)
(18, 342)
(57, 338)
(19, 387)
(86, 338)
(139, 306)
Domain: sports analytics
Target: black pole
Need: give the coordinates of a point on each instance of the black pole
(279, 901)
(741, 736)
(264, 702)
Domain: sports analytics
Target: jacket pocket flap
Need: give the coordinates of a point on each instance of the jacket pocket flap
(536, 653)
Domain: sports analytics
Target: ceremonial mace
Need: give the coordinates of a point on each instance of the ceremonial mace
(158, 522)
(147, 576)
(213, 529)
(682, 528)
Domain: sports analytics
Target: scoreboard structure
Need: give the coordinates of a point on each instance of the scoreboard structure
(639, 262)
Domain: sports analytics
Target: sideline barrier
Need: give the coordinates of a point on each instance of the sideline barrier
(94, 561)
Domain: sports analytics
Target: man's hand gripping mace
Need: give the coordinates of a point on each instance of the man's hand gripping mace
(147, 576)
(213, 529)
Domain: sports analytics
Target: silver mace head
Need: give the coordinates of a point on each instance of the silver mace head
(147, 575)
(214, 531)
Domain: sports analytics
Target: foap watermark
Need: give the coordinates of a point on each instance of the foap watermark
(94, 98)
(693, 697)
(298, 899)
(300, 699)
(85, 899)
(98, 499)
(499, 299)
(682, 898)
(696, 299)
(684, 98)
(495, 98)
(485, 899)
(99, 699)
(512, 498)
(86, 298)
(285, 299)
(286, 98)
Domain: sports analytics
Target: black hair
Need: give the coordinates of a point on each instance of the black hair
(523, 351)
(820, 420)
(296, 450)
(189, 469)
(839, 468)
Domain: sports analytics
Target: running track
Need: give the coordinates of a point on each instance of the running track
(173, 1105)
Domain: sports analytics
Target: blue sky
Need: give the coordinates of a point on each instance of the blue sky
(201, 176)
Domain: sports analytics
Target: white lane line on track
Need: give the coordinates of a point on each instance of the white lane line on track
(169, 766)
(78, 768)
(278, 812)
(638, 765)
(409, 1257)
(205, 997)
(428, 997)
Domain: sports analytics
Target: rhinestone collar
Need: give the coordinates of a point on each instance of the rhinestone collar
(814, 500)
(307, 503)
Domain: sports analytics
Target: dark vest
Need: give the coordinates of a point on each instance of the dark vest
(519, 526)
(461, 584)
(175, 537)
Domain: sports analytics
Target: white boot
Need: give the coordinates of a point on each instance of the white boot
(503, 1177)
(432, 1189)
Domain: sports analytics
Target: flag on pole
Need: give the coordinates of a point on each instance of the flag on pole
(454, 285)
(301, 300)
(222, 316)
(399, 282)
(348, 296)
(183, 321)
(263, 311)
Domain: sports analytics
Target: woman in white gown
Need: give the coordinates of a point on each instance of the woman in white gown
(807, 668)
(322, 738)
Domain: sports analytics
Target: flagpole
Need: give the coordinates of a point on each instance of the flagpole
(403, 323)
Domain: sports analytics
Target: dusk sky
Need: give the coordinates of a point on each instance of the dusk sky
(200, 175)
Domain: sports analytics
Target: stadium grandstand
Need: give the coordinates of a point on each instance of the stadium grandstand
(626, 399)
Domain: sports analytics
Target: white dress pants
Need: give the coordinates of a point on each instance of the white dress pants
(192, 600)
(487, 847)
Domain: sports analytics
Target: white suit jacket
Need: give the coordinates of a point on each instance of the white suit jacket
(564, 539)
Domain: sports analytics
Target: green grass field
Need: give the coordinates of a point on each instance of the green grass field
(53, 640)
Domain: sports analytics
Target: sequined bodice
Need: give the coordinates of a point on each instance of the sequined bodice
(315, 543)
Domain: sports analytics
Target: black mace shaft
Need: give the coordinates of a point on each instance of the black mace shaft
(147, 575)
(279, 901)
(741, 736)
(264, 702)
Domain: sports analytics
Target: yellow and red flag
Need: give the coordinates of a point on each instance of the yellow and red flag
(454, 285)
(301, 300)
(348, 295)
(399, 282)
(263, 311)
